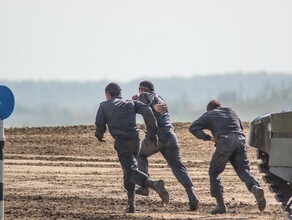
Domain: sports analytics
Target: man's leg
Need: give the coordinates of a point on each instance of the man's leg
(171, 153)
(133, 176)
(158, 186)
(131, 202)
(217, 166)
(240, 164)
(128, 163)
(145, 151)
(143, 167)
(141, 179)
(193, 199)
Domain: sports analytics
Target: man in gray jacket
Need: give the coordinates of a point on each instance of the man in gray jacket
(167, 144)
(120, 117)
(227, 133)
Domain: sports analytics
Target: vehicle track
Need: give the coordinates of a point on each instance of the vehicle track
(281, 188)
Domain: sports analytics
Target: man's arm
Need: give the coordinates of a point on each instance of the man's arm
(155, 103)
(100, 123)
(149, 118)
(197, 128)
(160, 108)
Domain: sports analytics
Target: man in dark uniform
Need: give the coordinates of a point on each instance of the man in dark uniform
(227, 133)
(167, 143)
(120, 117)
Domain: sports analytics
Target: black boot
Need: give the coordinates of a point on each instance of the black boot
(220, 207)
(131, 202)
(158, 186)
(258, 193)
(193, 199)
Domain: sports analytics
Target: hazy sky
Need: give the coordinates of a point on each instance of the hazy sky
(124, 40)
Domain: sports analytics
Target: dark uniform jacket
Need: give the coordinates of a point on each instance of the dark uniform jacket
(120, 116)
(220, 121)
(151, 98)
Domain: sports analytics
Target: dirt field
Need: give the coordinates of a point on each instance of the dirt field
(65, 173)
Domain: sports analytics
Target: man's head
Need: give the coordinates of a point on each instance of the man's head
(213, 104)
(146, 86)
(113, 89)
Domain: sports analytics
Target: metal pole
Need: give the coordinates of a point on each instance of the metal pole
(2, 142)
(6, 108)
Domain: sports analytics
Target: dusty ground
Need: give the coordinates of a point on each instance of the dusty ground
(65, 173)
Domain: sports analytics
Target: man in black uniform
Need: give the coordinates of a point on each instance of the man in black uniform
(167, 143)
(227, 133)
(120, 117)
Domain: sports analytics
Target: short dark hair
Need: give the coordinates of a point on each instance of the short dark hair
(146, 85)
(213, 104)
(113, 89)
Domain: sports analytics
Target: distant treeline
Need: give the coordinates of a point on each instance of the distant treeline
(55, 103)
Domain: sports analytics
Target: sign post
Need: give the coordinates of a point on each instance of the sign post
(6, 108)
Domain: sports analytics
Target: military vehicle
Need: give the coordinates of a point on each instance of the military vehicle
(272, 135)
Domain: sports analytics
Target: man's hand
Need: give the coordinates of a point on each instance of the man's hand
(213, 139)
(100, 139)
(135, 97)
(160, 108)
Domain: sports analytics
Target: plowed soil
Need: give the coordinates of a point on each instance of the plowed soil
(65, 173)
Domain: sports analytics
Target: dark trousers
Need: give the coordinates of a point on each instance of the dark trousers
(232, 148)
(169, 148)
(128, 150)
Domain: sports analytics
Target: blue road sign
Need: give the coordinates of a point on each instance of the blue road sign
(6, 102)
